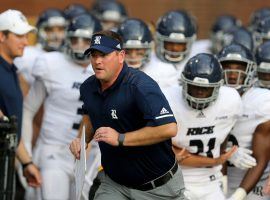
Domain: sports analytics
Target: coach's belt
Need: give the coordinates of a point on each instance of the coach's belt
(158, 181)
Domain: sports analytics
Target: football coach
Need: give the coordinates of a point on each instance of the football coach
(126, 112)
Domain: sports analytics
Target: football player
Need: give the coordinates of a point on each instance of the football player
(240, 35)
(51, 26)
(263, 65)
(262, 31)
(74, 10)
(138, 44)
(205, 111)
(110, 13)
(58, 77)
(257, 16)
(223, 25)
(263, 73)
(175, 34)
(251, 131)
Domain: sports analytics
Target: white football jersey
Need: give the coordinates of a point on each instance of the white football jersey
(256, 110)
(202, 132)
(181, 65)
(62, 107)
(198, 46)
(163, 73)
(27, 61)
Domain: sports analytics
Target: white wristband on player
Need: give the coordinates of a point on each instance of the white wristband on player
(239, 194)
(224, 184)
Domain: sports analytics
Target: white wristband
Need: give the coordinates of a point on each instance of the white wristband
(224, 184)
(239, 194)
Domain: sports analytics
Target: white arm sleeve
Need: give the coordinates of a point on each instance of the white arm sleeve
(32, 103)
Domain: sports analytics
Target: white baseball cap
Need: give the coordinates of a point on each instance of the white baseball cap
(15, 22)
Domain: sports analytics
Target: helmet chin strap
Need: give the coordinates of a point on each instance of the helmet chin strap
(198, 106)
(264, 84)
(79, 57)
(82, 62)
(176, 59)
(139, 62)
(53, 46)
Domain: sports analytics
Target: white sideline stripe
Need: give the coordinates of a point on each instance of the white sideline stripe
(163, 116)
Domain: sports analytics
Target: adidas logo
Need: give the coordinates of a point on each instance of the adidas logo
(200, 115)
(118, 46)
(164, 111)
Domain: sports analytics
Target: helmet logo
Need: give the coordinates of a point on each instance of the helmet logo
(97, 40)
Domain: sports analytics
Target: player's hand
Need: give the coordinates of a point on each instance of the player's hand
(225, 156)
(107, 135)
(75, 147)
(32, 175)
(3, 118)
(266, 188)
(1, 114)
(242, 158)
(180, 153)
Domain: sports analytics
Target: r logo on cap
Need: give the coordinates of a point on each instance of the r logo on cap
(97, 39)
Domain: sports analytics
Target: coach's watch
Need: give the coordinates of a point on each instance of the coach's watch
(121, 139)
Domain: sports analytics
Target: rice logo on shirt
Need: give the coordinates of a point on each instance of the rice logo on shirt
(113, 113)
(201, 130)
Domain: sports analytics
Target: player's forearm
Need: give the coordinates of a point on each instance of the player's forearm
(252, 176)
(23, 85)
(89, 134)
(32, 103)
(27, 129)
(261, 148)
(200, 161)
(150, 135)
(22, 153)
(203, 161)
(35, 97)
